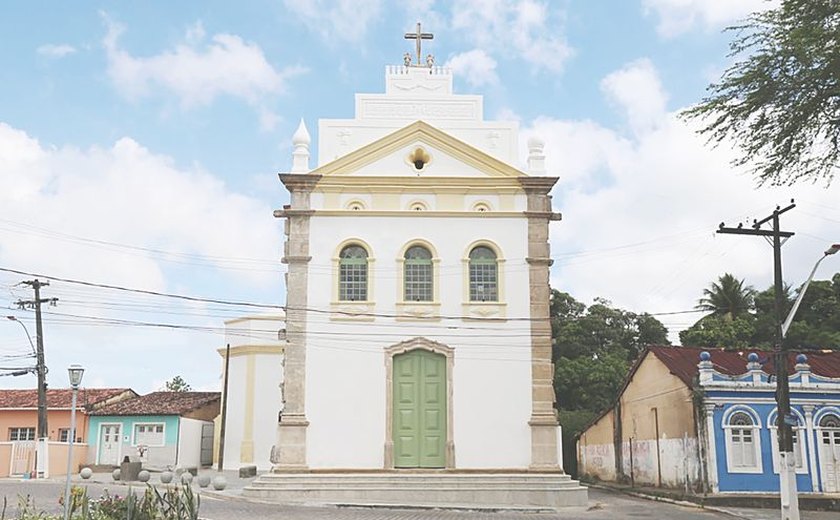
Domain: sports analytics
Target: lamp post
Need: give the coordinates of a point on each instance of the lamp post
(786, 325)
(787, 464)
(14, 318)
(75, 373)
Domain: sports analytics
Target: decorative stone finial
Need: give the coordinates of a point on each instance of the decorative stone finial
(754, 367)
(705, 368)
(300, 155)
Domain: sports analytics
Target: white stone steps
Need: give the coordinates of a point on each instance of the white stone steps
(479, 490)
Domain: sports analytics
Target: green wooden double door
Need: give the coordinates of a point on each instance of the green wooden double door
(419, 414)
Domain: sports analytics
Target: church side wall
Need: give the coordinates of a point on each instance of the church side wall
(268, 401)
(235, 417)
(346, 371)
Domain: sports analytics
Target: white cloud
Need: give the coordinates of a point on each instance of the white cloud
(529, 29)
(679, 16)
(56, 51)
(128, 191)
(640, 213)
(126, 194)
(636, 89)
(475, 66)
(337, 20)
(198, 72)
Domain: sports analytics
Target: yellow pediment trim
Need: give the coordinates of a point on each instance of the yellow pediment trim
(431, 136)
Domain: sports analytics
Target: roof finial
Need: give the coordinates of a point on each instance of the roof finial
(418, 36)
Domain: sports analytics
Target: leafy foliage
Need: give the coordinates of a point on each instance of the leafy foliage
(781, 102)
(717, 331)
(593, 348)
(175, 503)
(728, 298)
(177, 384)
(816, 324)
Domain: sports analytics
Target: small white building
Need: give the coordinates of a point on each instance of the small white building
(253, 396)
(418, 309)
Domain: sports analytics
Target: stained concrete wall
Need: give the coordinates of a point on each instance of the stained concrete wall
(653, 430)
(596, 450)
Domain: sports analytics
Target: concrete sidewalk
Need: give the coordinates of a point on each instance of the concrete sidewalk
(744, 505)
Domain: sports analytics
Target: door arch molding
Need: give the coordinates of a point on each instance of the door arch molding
(418, 343)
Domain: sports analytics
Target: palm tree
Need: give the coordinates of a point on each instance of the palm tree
(728, 298)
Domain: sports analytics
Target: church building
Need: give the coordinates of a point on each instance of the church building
(418, 364)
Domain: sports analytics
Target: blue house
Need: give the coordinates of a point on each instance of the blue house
(739, 411)
(705, 420)
(161, 430)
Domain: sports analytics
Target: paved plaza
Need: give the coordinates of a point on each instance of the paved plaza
(229, 505)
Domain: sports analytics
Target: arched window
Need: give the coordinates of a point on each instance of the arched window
(484, 275)
(353, 274)
(830, 421)
(830, 433)
(798, 434)
(742, 443)
(418, 278)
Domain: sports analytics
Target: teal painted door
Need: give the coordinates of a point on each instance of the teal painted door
(419, 410)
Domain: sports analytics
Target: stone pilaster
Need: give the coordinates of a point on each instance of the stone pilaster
(289, 452)
(543, 422)
(711, 448)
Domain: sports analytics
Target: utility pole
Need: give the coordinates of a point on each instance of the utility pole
(223, 426)
(784, 419)
(41, 368)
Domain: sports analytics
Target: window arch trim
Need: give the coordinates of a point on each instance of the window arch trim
(364, 306)
(735, 440)
(484, 310)
(423, 309)
(799, 436)
(828, 410)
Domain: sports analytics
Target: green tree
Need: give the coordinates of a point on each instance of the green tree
(177, 384)
(589, 382)
(593, 348)
(719, 331)
(815, 326)
(780, 102)
(728, 298)
(817, 322)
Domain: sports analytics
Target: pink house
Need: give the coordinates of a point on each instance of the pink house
(19, 421)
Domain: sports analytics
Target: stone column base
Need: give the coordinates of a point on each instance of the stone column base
(290, 451)
(544, 443)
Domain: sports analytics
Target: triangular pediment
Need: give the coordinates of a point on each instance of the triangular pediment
(394, 156)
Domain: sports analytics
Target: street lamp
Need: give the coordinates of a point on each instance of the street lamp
(14, 318)
(787, 464)
(75, 372)
(786, 325)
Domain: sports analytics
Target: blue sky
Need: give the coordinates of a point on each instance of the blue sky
(139, 146)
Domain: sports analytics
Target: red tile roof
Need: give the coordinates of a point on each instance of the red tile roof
(682, 361)
(161, 403)
(59, 397)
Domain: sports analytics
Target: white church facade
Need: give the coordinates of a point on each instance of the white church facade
(418, 343)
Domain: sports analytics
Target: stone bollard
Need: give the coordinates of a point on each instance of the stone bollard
(115, 474)
(86, 473)
(186, 478)
(166, 477)
(144, 476)
(219, 483)
(203, 480)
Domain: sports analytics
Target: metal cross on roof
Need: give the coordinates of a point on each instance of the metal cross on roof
(419, 36)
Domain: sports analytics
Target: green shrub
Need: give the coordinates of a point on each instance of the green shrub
(174, 503)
